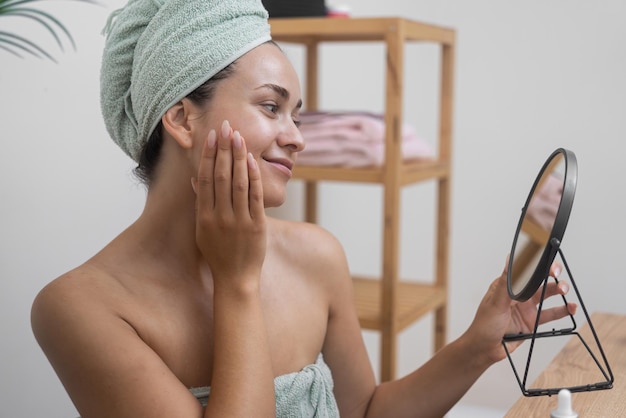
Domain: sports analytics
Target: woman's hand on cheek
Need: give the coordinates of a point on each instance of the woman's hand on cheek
(230, 217)
(498, 315)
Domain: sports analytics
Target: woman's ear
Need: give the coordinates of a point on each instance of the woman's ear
(177, 122)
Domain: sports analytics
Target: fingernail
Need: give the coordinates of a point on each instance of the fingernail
(225, 129)
(565, 287)
(210, 141)
(237, 139)
(557, 271)
(251, 161)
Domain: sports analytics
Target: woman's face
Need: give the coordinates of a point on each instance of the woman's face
(261, 100)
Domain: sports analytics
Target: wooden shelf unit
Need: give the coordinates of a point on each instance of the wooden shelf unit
(387, 304)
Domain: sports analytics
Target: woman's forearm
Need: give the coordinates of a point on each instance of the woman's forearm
(434, 388)
(243, 379)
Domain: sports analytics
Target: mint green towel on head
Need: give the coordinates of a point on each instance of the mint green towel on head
(159, 51)
(304, 394)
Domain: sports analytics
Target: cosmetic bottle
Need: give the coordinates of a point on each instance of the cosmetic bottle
(564, 406)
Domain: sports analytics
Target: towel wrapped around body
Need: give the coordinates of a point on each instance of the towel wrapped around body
(303, 394)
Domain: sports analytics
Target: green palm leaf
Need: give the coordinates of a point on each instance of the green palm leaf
(9, 40)
(17, 44)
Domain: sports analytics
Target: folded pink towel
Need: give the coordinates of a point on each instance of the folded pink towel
(353, 139)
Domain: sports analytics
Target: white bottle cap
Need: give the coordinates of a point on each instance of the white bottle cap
(564, 408)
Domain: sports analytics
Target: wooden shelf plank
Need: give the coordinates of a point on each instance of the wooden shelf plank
(330, 173)
(415, 171)
(306, 30)
(411, 172)
(414, 301)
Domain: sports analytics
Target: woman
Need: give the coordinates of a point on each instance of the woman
(204, 307)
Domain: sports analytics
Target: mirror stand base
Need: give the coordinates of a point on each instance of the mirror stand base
(604, 367)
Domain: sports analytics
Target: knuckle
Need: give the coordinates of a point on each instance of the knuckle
(256, 196)
(205, 180)
(240, 186)
(221, 177)
(204, 220)
(224, 222)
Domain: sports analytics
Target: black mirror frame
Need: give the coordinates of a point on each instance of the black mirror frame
(558, 230)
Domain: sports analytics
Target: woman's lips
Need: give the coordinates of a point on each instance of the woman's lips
(283, 165)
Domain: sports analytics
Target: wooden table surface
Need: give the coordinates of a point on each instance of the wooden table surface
(573, 362)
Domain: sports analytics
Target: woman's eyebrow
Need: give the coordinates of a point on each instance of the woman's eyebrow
(281, 91)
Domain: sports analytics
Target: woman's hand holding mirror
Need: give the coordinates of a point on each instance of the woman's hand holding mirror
(499, 315)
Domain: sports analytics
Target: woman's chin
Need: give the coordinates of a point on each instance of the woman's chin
(274, 200)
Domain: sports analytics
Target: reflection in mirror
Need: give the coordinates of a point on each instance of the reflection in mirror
(537, 222)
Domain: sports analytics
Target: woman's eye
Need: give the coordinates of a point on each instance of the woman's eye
(271, 107)
(297, 122)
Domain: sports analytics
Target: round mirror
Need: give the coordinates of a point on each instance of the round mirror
(542, 225)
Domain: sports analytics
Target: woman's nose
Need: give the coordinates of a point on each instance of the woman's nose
(291, 137)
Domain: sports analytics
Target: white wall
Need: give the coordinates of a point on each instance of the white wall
(530, 76)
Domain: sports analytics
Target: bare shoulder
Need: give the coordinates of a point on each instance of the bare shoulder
(66, 318)
(84, 287)
(68, 294)
(315, 255)
(78, 320)
(308, 244)
(69, 308)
